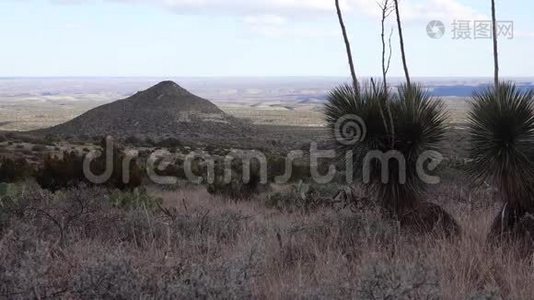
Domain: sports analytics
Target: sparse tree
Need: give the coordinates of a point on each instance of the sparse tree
(347, 46)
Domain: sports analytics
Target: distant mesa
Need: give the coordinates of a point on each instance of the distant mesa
(165, 109)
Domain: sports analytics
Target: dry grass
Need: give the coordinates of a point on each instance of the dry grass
(208, 247)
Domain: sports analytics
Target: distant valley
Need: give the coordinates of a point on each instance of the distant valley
(33, 103)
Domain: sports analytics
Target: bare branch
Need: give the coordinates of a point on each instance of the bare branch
(388, 64)
(401, 39)
(347, 46)
(495, 44)
(387, 9)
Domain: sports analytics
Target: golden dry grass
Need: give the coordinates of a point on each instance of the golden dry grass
(206, 246)
(321, 255)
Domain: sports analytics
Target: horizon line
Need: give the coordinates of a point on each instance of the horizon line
(252, 77)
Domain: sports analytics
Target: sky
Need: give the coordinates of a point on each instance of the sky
(219, 38)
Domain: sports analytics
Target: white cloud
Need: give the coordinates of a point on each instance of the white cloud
(290, 18)
(276, 27)
(411, 9)
(440, 10)
(265, 20)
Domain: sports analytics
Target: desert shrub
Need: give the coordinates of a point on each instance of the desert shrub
(300, 169)
(405, 281)
(110, 277)
(84, 137)
(288, 201)
(29, 139)
(301, 197)
(59, 173)
(138, 198)
(67, 171)
(489, 293)
(201, 226)
(50, 139)
(97, 139)
(12, 170)
(117, 276)
(169, 143)
(211, 149)
(237, 188)
(9, 194)
(149, 142)
(228, 280)
(23, 275)
(39, 148)
(276, 165)
(175, 169)
(132, 140)
(85, 212)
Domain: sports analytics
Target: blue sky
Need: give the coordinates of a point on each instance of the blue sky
(247, 38)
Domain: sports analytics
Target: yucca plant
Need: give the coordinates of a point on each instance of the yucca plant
(409, 123)
(501, 132)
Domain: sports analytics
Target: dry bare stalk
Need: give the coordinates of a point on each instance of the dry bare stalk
(347, 46)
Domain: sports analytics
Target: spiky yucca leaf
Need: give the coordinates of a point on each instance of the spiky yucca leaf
(409, 122)
(367, 104)
(501, 131)
(420, 125)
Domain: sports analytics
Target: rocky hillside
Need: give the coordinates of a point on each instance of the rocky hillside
(165, 109)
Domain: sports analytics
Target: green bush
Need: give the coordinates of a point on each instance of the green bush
(10, 196)
(301, 197)
(388, 281)
(169, 143)
(59, 173)
(14, 170)
(66, 172)
(39, 148)
(149, 142)
(133, 140)
(138, 198)
(175, 169)
(236, 188)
